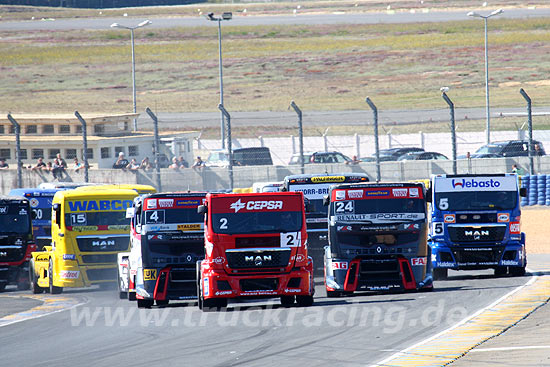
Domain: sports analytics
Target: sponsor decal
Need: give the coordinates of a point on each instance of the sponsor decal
(339, 265)
(475, 183)
(400, 193)
(149, 274)
(445, 264)
(355, 194)
(206, 287)
(411, 226)
(189, 227)
(417, 261)
(115, 227)
(83, 228)
(99, 205)
(69, 257)
(166, 203)
(69, 274)
(258, 260)
(42, 257)
(343, 228)
(103, 243)
(378, 193)
(300, 258)
(19, 241)
(34, 202)
(155, 237)
(218, 260)
(503, 217)
(22, 212)
(287, 290)
(340, 195)
(514, 227)
(449, 218)
(509, 262)
(188, 202)
(378, 217)
(3, 253)
(258, 293)
(311, 191)
(316, 220)
(3, 209)
(159, 228)
(328, 179)
(223, 293)
(152, 204)
(257, 205)
(413, 192)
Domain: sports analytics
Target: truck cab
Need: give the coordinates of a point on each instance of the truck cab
(255, 247)
(377, 238)
(475, 224)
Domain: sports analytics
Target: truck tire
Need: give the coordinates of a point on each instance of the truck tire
(145, 303)
(287, 301)
(163, 302)
(501, 271)
(53, 289)
(304, 301)
(334, 294)
(517, 272)
(33, 281)
(440, 273)
(132, 296)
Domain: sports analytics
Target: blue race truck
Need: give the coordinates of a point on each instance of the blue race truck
(475, 224)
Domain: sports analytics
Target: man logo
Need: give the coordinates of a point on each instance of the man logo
(258, 260)
(476, 234)
(237, 205)
(2, 253)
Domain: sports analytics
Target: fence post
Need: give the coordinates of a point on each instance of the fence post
(357, 145)
(376, 145)
(17, 129)
(229, 146)
(390, 140)
(156, 144)
(84, 143)
(422, 139)
(453, 128)
(300, 134)
(261, 139)
(529, 129)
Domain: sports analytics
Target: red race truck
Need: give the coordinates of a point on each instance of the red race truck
(255, 247)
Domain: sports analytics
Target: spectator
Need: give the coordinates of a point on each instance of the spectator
(199, 163)
(182, 162)
(49, 167)
(77, 165)
(518, 171)
(174, 164)
(40, 165)
(3, 164)
(145, 164)
(133, 165)
(121, 162)
(58, 167)
(538, 151)
(354, 160)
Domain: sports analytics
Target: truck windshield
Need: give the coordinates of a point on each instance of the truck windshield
(379, 206)
(179, 215)
(96, 218)
(257, 222)
(14, 218)
(476, 200)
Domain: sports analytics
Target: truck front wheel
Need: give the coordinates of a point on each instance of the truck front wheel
(304, 301)
(517, 272)
(501, 271)
(287, 301)
(34, 282)
(53, 289)
(145, 303)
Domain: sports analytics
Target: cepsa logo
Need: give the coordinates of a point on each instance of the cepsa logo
(473, 183)
(256, 205)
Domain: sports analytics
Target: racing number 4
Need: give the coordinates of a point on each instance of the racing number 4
(291, 239)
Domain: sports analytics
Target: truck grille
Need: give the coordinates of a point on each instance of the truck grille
(103, 244)
(99, 258)
(102, 274)
(476, 255)
(379, 269)
(257, 259)
(473, 234)
(12, 253)
(263, 284)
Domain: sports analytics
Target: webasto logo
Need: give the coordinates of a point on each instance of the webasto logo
(473, 183)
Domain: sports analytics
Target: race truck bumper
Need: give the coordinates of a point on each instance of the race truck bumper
(218, 284)
(82, 276)
(480, 256)
(377, 274)
(175, 282)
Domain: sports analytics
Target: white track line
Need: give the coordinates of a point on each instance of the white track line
(509, 348)
(404, 351)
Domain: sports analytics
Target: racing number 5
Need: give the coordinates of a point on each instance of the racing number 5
(438, 228)
(443, 204)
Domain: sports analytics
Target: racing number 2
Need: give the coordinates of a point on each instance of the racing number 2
(291, 239)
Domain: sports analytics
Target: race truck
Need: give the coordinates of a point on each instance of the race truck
(475, 224)
(256, 247)
(377, 238)
(89, 228)
(315, 187)
(16, 241)
(167, 240)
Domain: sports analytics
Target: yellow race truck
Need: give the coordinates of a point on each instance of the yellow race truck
(89, 229)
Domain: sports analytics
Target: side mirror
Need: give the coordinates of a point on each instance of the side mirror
(33, 214)
(429, 197)
(523, 192)
(56, 209)
(130, 212)
(326, 200)
(202, 209)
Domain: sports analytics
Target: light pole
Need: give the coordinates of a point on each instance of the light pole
(211, 17)
(142, 24)
(485, 17)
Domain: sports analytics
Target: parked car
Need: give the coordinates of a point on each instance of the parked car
(423, 156)
(392, 154)
(254, 156)
(320, 157)
(479, 155)
(512, 148)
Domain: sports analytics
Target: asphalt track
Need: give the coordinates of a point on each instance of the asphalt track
(351, 331)
(252, 20)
